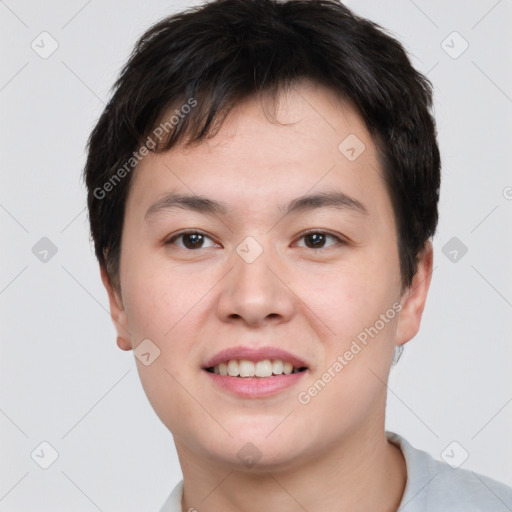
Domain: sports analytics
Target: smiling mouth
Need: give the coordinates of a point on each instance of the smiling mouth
(248, 369)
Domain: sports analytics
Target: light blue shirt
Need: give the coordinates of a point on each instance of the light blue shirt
(432, 486)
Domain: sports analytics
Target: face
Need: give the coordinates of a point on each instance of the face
(248, 263)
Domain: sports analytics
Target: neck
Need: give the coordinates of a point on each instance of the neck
(363, 472)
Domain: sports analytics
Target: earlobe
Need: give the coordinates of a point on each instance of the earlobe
(117, 312)
(123, 344)
(414, 298)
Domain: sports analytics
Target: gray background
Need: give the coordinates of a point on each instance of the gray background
(63, 379)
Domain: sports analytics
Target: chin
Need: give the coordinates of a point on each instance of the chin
(256, 458)
(260, 449)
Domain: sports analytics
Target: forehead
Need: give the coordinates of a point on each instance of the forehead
(299, 121)
(266, 152)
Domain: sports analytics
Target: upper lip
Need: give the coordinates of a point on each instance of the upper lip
(254, 355)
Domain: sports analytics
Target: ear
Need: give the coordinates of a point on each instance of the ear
(414, 297)
(117, 312)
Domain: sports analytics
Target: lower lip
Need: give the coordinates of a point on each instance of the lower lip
(255, 387)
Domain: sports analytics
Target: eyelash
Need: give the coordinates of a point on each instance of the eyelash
(339, 241)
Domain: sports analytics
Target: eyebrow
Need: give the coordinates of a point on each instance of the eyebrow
(338, 200)
(204, 205)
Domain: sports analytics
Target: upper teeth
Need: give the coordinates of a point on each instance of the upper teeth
(244, 368)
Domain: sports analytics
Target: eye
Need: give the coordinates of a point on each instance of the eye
(190, 240)
(317, 239)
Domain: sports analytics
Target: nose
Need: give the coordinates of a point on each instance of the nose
(255, 293)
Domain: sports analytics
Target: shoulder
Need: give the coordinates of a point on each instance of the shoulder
(433, 485)
(173, 502)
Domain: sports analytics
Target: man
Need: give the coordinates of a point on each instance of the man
(263, 190)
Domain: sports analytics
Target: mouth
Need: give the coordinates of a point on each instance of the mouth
(245, 369)
(248, 372)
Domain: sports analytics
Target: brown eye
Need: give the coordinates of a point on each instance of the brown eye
(190, 240)
(318, 239)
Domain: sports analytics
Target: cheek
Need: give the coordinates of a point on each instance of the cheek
(169, 306)
(158, 296)
(360, 306)
(349, 297)
(351, 380)
(163, 309)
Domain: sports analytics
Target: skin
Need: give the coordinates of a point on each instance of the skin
(331, 454)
